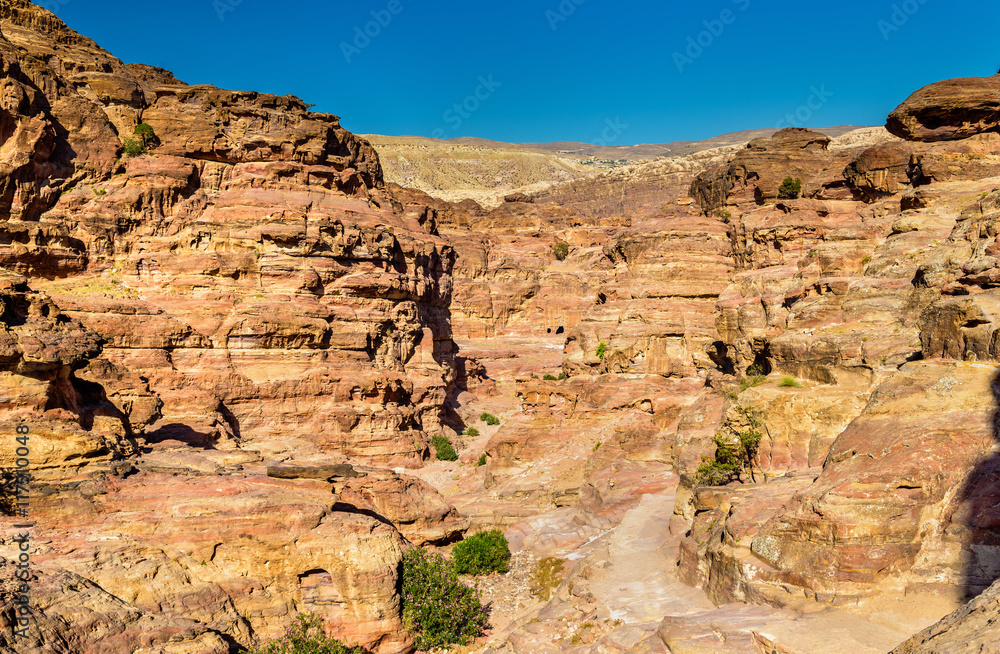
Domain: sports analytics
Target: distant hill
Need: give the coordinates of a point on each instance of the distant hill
(672, 149)
(485, 170)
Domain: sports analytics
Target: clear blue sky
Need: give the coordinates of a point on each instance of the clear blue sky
(555, 79)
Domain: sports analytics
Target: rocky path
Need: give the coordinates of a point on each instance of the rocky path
(617, 590)
(636, 583)
(622, 595)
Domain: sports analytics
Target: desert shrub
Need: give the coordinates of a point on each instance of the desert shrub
(482, 459)
(562, 376)
(597, 445)
(482, 554)
(733, 458)
(550, 378)
(438, 609)
(306, 636)
(444, 449)
(755, 377)
(722, 469)
(790, 189)
(145, 134)
(561, 251)
(470, 431)
(602, 347)
(490, 419)
(547, 577)
(132, 147)
(789, 382)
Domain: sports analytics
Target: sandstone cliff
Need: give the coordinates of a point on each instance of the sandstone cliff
(244, 295)
(220, 346)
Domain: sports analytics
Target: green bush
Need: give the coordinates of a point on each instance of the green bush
(443, 448)
(482, 459)
(561, 251)
(734, 458)
(490, 419)
(132, 147)
(145, 134)
(716, 473)
(755, 377)
(550, 378)
(789, 382)
(601, 349)
(470, 431)
(562, 376)
(438, 609)
(482, 554)
(306, 636)
(790, 189)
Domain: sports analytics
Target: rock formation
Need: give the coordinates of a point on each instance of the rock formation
(221, 346)
(948, 110)
(970, 629)
(177, 323)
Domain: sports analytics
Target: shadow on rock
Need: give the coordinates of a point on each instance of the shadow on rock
(978, 512)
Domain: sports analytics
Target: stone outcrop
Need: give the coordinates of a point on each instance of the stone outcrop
(890, 168)
(756, 173)
(970, 630)
(220, 346)
(245, 297)
(233, 551)
(949, 110)
(655, 310)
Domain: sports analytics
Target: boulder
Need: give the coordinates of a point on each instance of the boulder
(949, 110)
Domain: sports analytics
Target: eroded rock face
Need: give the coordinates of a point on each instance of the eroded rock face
(949, 110)
(655, 310)
(897, 519)
(755, 174)
(971, 629)
(82, 617)
(245, 295)
(890, 168)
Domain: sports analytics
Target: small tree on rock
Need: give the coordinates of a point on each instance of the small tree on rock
(144, 132)
(790, 189)
(143, 139)
(735, 457)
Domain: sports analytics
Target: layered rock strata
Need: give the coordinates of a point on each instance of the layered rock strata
(244, 295)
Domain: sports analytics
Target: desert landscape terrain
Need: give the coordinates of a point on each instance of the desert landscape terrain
(734, 396)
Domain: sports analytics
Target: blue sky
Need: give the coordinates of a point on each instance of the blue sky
(550, 70)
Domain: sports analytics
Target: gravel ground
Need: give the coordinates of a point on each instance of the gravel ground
(510, 594)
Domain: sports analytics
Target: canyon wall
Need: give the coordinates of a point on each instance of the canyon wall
(246, 295)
